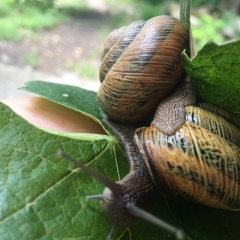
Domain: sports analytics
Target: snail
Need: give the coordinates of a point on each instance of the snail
(141, 65)
(185, 151)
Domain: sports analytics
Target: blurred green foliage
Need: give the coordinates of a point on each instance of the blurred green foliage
(195, 3)
(20, 18)
(40, 4)
(204, 30)
(210, 21)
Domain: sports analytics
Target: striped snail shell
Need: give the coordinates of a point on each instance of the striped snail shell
(141, 64)
(201, 161)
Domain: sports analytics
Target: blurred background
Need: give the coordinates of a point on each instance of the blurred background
(62, 40)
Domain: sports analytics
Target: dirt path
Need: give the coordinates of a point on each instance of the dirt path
(58, 53)
(80, 40)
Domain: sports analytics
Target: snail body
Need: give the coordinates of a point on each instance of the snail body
(185, 151)
(198, 162)
(140, 66)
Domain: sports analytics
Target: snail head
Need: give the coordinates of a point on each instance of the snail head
(121, 203)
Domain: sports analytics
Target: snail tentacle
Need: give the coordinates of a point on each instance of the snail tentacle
(111, 232)
(135, 193)
(132, 200)
(138, 212)
(97, 196)
(115, 188)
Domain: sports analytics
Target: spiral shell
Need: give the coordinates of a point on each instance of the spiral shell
(141, 64)
(195, 162)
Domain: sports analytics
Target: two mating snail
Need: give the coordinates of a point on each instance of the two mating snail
(186, 150)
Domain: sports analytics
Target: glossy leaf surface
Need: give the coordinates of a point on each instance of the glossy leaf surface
(215, 72)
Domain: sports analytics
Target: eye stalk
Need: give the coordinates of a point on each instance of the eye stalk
(123, 202)
(116, 189)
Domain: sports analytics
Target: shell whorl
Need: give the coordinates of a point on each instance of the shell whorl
(145, 71)
(214, 123)
(198, 162)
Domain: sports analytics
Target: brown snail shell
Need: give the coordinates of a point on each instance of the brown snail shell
(197, 162)
(142, 68)
(214, 123)
(221, 112)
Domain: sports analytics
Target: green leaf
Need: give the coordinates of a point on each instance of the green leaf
(215, 72)
(43, 196)
(69, 96)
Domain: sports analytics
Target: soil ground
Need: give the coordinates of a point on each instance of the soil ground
(79, 41)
